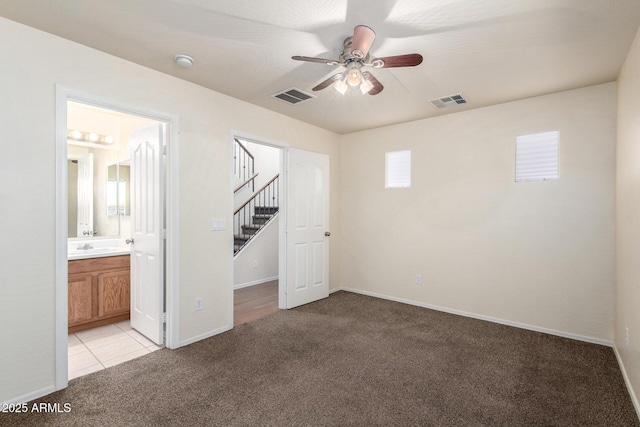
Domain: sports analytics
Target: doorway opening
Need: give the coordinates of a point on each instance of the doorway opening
(302, 221)
(100, 187)
(113, 161)
(258, 198)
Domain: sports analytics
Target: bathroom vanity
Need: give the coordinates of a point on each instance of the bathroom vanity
(98, 291)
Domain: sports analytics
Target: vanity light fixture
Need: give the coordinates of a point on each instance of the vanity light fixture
(90, 137)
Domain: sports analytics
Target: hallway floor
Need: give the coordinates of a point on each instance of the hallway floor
(98, 348)
(255, 302)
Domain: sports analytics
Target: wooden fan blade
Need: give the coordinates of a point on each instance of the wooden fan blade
(363, 38)
(318, 60)
(410, 60)
(328, 82)
(377, 86)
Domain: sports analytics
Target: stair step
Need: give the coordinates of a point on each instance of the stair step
(261, 218)
(250, 229)
(265, 210)
(240, 239)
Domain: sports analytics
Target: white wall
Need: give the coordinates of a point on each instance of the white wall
(39, 61)
(267, 162)
(540, 253)
(628, 221)
(263, 249)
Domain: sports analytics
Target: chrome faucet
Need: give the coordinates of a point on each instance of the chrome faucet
(85, 247)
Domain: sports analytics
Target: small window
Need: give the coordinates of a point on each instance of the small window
(398, 169)
(537, 157)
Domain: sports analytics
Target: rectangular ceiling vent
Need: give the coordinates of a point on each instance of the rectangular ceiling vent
(293, 96)
(448, 101)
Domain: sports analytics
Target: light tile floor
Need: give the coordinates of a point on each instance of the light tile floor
(105, 346)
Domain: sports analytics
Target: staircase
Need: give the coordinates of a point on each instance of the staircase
(261, 216)
(255, 213)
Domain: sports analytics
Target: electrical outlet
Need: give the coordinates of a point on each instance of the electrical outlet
(626, 336)
(418, 279)
(255, 263)
(198, 304)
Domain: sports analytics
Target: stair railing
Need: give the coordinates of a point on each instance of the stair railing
(243, 164)
(241, 185)
(261, 205)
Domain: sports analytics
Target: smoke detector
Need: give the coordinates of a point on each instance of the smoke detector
(184, 61)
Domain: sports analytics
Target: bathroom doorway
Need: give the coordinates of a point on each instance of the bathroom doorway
(102, 275)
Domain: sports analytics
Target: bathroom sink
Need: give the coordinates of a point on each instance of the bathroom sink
(96, 252)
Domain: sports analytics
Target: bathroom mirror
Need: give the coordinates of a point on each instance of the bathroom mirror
(99, 178)
(88, 213)
(118, 178)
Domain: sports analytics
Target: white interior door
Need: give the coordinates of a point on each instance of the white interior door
(307, 227)
(147, 223)
(85, 196)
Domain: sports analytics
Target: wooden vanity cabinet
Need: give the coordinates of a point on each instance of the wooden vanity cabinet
(98, 291)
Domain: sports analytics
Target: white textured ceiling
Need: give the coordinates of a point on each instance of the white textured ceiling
(492, 51)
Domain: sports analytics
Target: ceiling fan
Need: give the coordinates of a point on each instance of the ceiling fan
(354, 56)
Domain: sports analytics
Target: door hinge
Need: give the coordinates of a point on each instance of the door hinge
(164, 234)
(164, 150)
(164, 317)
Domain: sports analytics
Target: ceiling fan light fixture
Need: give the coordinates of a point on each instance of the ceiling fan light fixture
(354, 77)
(365, 86)
(341, 86)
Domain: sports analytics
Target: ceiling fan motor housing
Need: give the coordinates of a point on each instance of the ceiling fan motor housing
(347, 56)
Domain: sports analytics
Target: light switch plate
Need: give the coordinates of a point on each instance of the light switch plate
(218, 224)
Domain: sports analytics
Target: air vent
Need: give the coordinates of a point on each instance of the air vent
(448, 101)
(293, 96)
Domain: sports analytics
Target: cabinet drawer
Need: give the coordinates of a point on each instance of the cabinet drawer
(93, 265)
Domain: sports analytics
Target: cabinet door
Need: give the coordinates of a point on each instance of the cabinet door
(113, 293)
(80, 298)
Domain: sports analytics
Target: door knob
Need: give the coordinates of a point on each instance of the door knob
(326, 233)
(129, 241)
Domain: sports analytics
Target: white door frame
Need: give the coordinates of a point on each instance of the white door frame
(64, 94)
(282, 214)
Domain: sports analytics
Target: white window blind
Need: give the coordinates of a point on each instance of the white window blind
(398, 169)
(537, 157)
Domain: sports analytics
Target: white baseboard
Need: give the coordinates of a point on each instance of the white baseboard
(30, 396)
(205, 335)
(255, 282)
(627, 381)
(482, 317)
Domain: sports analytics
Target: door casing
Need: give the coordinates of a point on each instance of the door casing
(63, 95)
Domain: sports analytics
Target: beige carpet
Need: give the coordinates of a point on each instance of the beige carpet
(360, 361)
